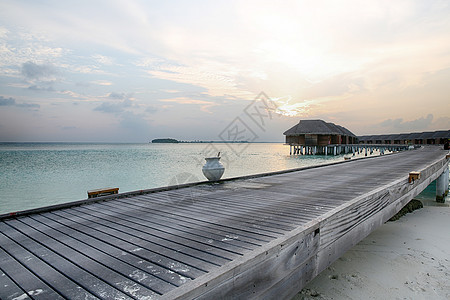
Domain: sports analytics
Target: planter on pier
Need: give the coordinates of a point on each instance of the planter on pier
(213, 169)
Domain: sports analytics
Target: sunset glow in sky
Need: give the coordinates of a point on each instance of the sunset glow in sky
(131, 71)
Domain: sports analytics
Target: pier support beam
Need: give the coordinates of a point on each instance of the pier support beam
(442, 186)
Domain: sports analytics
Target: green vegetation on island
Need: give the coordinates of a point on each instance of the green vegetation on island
(167, 140)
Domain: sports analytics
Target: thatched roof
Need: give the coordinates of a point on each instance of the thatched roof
(317, 127)
(442, 134)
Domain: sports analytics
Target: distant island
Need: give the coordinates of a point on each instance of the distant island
(174, 141)
(215, 142)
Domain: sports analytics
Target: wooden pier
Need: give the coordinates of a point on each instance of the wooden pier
(261, 237)
(339, 149)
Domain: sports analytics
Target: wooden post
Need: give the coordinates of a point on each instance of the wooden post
(334, 150)
(447, 171)
(326, 150)
(446, 179)
(442, 186)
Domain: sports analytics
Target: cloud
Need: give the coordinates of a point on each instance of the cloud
(418, 124)
(103, 59)
(113, 108)
(120, 96)
(12, 102)
(33, 71)
(7, 101)
(101, 82)
(181, 100)
(39, 88)
(369, 62)
(204, 105)
(28, 105)
(3, 32)
(151, 109)
(116, 106)
(442, 123)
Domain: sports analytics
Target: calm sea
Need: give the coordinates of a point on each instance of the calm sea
(40, 174)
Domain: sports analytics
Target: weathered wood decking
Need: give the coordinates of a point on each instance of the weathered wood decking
(263, 237)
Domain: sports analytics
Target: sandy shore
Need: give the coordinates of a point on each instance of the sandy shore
(405, 259)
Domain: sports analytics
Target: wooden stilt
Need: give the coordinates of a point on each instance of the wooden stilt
(441, 187)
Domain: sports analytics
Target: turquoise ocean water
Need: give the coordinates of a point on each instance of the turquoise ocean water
(40, 174)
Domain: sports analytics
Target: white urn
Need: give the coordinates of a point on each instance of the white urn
(213, 169)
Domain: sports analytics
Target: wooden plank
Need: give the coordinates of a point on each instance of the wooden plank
(260, 206)
(238, 219)
(167, 258)
(287, 204)
(138, 262)
(184, 225)
(143, 277)
(227, 228)
(139, 233)
(56, 280)
(106, 273)
(9, 289)
(32, 285)
(250, 217)
(216, 218)
(83, 278)
(171, 230)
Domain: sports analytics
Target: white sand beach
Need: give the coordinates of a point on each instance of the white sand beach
(405, 259)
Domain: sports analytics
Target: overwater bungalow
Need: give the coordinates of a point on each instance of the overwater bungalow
(417, 138)
(318, 133)
(318, 136)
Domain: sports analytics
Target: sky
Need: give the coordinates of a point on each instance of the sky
(132, 71)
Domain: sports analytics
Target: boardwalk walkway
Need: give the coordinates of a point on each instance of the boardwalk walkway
(262, 237)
